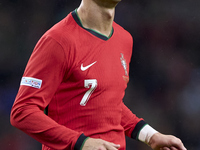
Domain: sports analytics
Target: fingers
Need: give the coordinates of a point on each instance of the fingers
(177, 145)
(171, 148)
(115, 145)
(99, 144)
(165, 148)
(111, 146)
(174, 148)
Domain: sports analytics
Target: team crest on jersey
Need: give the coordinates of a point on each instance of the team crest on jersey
(123, 62)
(32, 82)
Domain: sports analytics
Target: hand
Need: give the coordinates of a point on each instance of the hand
(99, 144)
(165, 142)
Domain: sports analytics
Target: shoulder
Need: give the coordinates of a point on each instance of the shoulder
(124, 34)
(63, 31)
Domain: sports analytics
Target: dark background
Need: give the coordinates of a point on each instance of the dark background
(164, 86)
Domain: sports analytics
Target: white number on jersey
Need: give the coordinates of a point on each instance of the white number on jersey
(87, 84)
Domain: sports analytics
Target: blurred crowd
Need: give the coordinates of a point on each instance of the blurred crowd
(164, 86)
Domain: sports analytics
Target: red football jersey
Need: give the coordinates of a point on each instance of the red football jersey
(81, 76)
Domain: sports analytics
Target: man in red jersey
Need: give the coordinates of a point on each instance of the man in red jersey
(78, 71)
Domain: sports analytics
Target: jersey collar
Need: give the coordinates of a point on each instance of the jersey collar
(95, 33)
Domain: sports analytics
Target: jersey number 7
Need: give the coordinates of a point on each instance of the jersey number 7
(91, 84)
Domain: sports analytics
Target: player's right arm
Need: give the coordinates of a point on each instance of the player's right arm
(46, 66)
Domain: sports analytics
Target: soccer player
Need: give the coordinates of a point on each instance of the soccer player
(78, 72)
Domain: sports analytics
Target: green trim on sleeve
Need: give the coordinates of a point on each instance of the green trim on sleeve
(84, 143)
(140, 130)
(137, 129)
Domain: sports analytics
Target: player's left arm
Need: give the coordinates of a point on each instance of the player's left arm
(138, 129)
(131, 123)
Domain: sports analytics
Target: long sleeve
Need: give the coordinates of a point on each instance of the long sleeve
(131, 123)
(46, 67)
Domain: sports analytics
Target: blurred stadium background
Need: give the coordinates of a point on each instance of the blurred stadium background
(164, 88)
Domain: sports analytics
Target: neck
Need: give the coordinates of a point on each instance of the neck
(96, 16)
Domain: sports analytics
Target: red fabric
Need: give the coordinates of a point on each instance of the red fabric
(57, 60)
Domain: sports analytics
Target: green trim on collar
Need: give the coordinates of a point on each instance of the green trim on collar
(108, 37)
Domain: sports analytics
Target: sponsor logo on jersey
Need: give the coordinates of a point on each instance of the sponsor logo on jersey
(32, 82)
(86, 67)
(123, 62)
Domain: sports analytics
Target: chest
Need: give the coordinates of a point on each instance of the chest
(107, 63)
